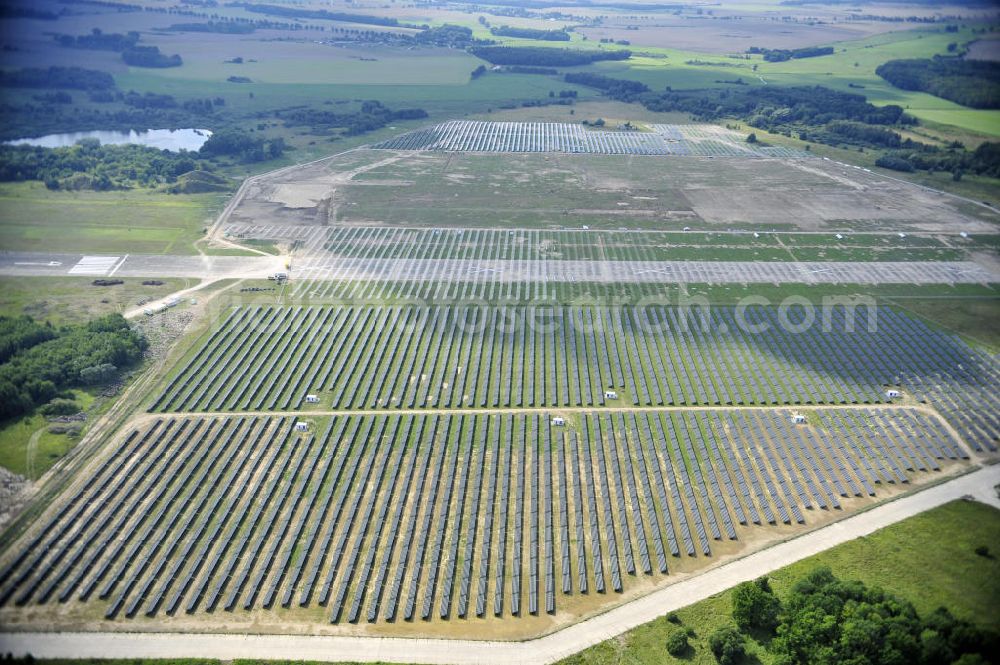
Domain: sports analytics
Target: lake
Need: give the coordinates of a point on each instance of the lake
(164, 139)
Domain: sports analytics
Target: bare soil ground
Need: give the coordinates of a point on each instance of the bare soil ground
(379, 188)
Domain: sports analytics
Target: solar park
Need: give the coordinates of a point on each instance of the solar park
(479, 136)
(509, 515)
(426, 432)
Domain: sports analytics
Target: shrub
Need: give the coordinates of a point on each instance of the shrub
(755, 607)
(677, 643)
(727, 645)
(59, 407)
(895, 163)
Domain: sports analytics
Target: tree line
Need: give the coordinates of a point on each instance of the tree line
(321, 14)
(972, 83)
(813, 113)
(531, 33)
(70, 78)
(955, 159)
(127, 44)
(765, 107)
(541, 56)
(90, 165)
(781, 55)
(370, 116)
(616, 88)
(828, 621)
(220, 27)
(41, 362)
(242, 146)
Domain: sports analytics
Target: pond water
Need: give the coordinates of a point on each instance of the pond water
(164, 139)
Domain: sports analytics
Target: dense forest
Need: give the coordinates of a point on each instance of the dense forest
(72, 78)
(243, 146)
(127, 44)
(447, 35)
(973, 83)
(100, 41)
(531, 33)
(954, 159)
(542, 56)
(90, 165)
(371, 116)
(765, 107)
(19, 333)
(150, 56)
(39, 362)
(616, 88)
(828, 621)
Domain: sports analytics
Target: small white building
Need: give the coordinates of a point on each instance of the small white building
(558, 421)
(610, 394)
(892, 393)
(798, 419)
(312, 399)
(301, 427)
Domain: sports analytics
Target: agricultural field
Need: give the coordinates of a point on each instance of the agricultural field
(446, 517)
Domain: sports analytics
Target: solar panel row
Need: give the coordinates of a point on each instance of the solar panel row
(236, 512)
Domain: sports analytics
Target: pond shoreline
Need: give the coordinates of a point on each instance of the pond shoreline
(174, 140)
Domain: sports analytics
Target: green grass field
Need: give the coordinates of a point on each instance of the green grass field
(28, 448)
(32, 218)
(64, 300)
(977, 319)
(928, 559)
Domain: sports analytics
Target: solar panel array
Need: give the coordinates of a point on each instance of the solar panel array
(399, 263)
(436, 517)
(472, 356)
(487, 136)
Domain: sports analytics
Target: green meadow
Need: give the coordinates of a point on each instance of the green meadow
(928, 559)
(32, 218)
